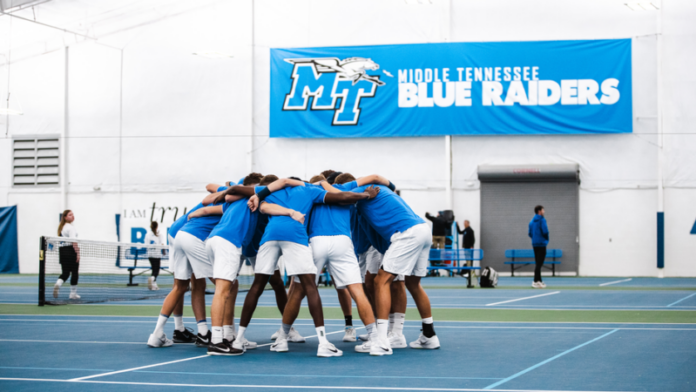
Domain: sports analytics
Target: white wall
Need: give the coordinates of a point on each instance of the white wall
(150, 122)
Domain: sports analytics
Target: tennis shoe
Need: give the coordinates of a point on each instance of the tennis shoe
(364, 337)
(536, 285)
(156, 342)
(186, 336)
(280, 345)
(293, 336)
(150, 281)
(248, 345)
(397, 341)
(327, 350)
(203, 341)
(424, 342)
(363, 348)
(223, 349)
(380, 347)
(237, 345)
(74, 296)
(542, 284)
(56, 290)
(350, 335)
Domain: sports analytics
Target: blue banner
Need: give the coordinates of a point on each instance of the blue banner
(491, 88)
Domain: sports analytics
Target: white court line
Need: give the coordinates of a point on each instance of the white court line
(179, 360)
(522, 299)
(65, 341)
(138, 368)
(278, 386)
(687, 297)
(616, 281)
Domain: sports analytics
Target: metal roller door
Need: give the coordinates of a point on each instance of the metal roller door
(508, 197)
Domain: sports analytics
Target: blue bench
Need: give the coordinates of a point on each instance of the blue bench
(439, 257)
(136, 254)
(552, 256)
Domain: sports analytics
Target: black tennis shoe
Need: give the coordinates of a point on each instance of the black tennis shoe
(185, 336)
(223, 349)
(203, 341)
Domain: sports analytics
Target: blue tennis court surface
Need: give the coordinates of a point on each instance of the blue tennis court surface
(85, 353)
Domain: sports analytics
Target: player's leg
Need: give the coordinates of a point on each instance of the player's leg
(346, 302)
(229, 333)
(181, 334)
(382, 283)
(428, 339)
(292, 310)
(397, 315)
(264, 267)
(74, 277)
(202, 268)
(278, 287)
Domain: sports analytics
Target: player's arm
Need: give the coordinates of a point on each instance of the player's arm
(205, 211)
(376, 179)
(328, 187)
(232, 194)
(212, 188)
(276, 185)
(350, 197)
(276, 210)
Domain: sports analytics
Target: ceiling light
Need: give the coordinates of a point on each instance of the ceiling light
(10, 112)
(213, 54)
(642, 6)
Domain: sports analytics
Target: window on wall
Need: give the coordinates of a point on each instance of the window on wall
(35, 161)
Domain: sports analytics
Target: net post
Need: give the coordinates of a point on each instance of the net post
(42, 271)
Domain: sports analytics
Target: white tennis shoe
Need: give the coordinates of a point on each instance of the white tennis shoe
(397, 341)
(280, 346)
(380, 347)
(350, 335)
(364, 337)
(363, 348)
(327, 350)
(426, 343)
(157, 342)
(293, 336)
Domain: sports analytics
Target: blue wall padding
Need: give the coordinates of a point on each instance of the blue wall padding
(9, 257)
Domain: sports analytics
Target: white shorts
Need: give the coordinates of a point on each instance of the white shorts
(225, 256)
(191, 257)
(172, 252)
(336, 251)
(408, 253)
(373, 260)
(362, 262)
(298, 258)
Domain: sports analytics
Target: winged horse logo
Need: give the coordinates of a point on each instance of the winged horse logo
(351, 68)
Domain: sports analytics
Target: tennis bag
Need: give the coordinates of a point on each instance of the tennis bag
(489, 278)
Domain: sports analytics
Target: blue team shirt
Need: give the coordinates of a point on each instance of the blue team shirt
(179, 223)
(374, 238)
(360, 241)
(331, 219)
(202, 226)
(237, 224)
(298, 198)
(387, 213)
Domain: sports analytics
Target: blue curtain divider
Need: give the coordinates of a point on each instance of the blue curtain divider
(9, 257)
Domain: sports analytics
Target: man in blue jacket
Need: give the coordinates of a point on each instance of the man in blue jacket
(539, 233)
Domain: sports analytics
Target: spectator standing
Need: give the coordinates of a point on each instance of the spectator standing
(539, 233)
(153, 254)
(68, 256)
(468, 240)
(439, 229)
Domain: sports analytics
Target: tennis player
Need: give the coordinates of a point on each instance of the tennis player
(68, 256)
(407, 255)
(154, 255)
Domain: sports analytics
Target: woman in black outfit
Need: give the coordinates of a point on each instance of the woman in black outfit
(69, 256)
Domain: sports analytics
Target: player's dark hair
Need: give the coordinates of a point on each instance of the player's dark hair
(297, 179)
(153, 227)
(332, 178)
(344, 178)
(252, 178)
(267, 179)
(62, 221)
(327, 173)
(537, 209)
(317, 178)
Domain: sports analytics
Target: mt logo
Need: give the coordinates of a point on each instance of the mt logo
(327, 79)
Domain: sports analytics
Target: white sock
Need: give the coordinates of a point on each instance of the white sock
(159, 329)
(399, 319)
(228, 332)
(217, 335)
(321, 334)
(382, 328)
(240, 334)
(371, 331)
(179, 323)
(73, 289)
(203, 327)
(428, 320)
(60, 282)
(391, 322)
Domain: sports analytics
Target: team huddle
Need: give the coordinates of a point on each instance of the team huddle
(372, 243)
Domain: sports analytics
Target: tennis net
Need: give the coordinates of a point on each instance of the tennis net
(105, 271)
